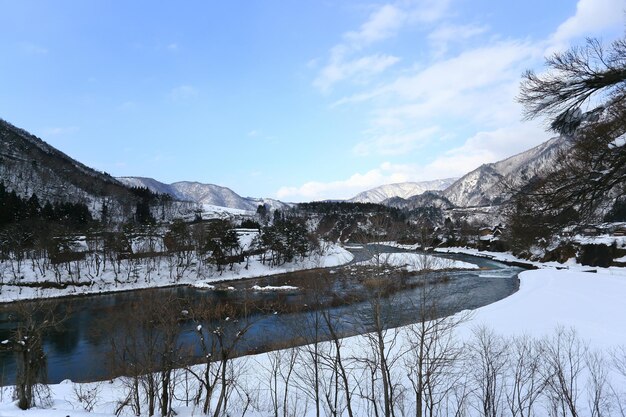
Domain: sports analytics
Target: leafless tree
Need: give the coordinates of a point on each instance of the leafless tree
(34, 319)
(145, 349)
(220, 330)
(432, 360)
(598, 390)
(574, 78)
(564, 360)
(618, 359)
(488, 360)
(525, 381)
(587, 181)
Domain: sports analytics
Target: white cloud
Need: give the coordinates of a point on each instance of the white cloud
(383, 23)
(183, 92)
(60, 131)
(386, 173)
(450, 92)
(127, 106)
(446, 34)
(395, 143)
(484, 147)
(591, 17)
(468, 95)
(427, 11)
(359, 70)
(30, 48)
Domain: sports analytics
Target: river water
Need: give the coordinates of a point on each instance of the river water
(80, 349)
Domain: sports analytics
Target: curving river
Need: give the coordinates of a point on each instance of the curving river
(79, 350)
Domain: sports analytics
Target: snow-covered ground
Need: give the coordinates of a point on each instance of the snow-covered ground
(132, 274)
(592, 304)
(570, 265)
(394, 244)
(416, 262)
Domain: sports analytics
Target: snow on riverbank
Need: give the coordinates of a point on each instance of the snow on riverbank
(148, 273)
(570, 265)
(416, 262)
(591, 303)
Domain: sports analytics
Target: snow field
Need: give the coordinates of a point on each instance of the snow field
(132, 274)
(414, 262)
(548, 298)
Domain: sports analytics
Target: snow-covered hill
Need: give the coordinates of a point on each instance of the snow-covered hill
(28, 165)
(427, 199)
(153, 185)
(205, 194)
(403, 190)
(490, 184)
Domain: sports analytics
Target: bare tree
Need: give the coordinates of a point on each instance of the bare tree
(573, 79)
(34, 319)
(618, 359)
(488, 359)
(564, 356)
(598, 393)
(432, 360)
(525, 382)
(220, 330)
(145, 349)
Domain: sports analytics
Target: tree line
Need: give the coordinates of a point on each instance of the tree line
(424, 369)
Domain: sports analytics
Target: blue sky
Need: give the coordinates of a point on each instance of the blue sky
(295, 99)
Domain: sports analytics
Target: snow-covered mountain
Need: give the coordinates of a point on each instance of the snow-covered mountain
(28, 165)
(403, 190)
(205, 194)
(490, 184)
(153, 185)
(426, 199)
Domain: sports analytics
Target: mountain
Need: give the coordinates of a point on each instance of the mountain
(490, 184)
(153, 185)
(403, 190)
(426, 199)
(29, 165)
(206, 194)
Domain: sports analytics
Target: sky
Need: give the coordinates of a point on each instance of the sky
(293, 99)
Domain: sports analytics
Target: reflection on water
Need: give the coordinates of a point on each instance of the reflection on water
(78, 351)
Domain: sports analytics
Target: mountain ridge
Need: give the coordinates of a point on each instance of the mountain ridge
(490, 184)
(403, 190)
(204, 193)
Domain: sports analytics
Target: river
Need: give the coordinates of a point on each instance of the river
(79, 349)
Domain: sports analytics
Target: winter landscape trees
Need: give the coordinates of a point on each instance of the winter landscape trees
(582, 94)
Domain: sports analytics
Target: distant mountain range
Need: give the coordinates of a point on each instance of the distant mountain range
(403, 190)
(205, 194)
(489, 184)
(29, 165)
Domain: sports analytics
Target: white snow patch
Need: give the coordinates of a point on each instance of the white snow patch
(416, 262)
(273, 288)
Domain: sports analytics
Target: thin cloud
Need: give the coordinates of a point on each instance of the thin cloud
(386, 173)
(183, 92)
(399, 143)
(591, 18)
(443, 36)
(382, 24)
(60, 131)
(345, 63)
(30, 48)
(361, 69)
